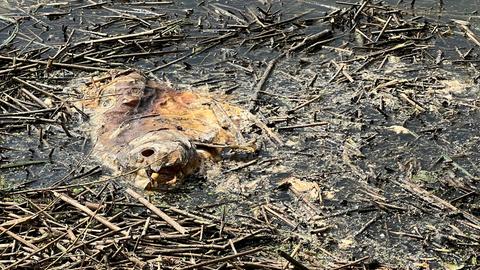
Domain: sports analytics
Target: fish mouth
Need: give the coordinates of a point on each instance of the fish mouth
(166, 177)
(162, 160)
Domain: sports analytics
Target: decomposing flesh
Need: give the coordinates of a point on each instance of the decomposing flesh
(147, 129)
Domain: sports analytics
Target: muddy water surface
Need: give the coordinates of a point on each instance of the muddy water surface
(374, 138)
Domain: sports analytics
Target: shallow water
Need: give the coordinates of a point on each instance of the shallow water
(356, 155)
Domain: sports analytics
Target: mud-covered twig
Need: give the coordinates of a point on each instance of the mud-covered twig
(292, 260)
(226, 258)
(14, 33)
(316, 124)
(263, 80)
(470, 34)
(352, 263)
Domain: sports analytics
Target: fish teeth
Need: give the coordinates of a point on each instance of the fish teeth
(142, 181)
(154, 176)
(155, 168)
(142, 172)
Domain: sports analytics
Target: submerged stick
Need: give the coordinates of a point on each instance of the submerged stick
(222, 259)
(64, 65)
(21, 163)
(14, 32)
(290, 259)
(261, 84)
(470, 34)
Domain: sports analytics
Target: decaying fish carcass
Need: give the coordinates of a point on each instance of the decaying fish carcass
(145, 128)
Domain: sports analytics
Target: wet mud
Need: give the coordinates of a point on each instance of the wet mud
(368, 114)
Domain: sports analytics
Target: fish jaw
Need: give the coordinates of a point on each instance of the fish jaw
(162, 159)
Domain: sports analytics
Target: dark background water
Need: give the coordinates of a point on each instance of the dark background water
(443, 157)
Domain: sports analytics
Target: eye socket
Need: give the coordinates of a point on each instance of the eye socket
(147, 152)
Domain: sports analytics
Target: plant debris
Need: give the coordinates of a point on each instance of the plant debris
(373, 106)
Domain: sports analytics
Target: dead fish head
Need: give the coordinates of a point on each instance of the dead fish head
(161, 159)
(147, 127)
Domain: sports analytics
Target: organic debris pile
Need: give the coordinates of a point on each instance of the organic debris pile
(368, 159)
(104, 225)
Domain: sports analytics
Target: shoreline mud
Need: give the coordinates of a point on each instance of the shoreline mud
(371, 162)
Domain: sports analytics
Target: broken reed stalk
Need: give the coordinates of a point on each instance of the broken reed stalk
(17, 237)
(157, 211)
(61, 65)
(89, 212)
(384, 33)
(290, 259)
(263, 80)
(223, 259)
(470, 34)
(13, 34)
